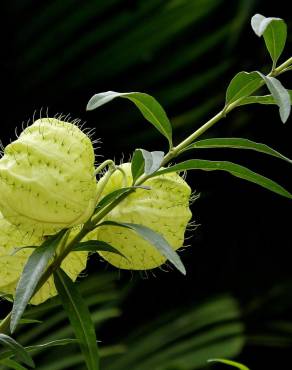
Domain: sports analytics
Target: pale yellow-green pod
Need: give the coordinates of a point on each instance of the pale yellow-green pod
(47, 178)
(12, 237)
(164, 208)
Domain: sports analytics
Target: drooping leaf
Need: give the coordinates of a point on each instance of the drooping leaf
(79, 317)
(16, 349)
(280, 94)
(274, 31)
(155, 239)
(233, 168)
(96, 245)
(32, 272)
(242, 85)
(264, 99)
(236, 143)
(148, 106)
(237, 365)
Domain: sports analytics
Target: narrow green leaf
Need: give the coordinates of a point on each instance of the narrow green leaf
(228, 362)
(234, 169)
(137, 165)
(17, 349)
(32, 272)
(148, 106)
(29, 321)
(53, 343)
(157, 240)
(96, 245)
(79, 317)
(236, 143)
(280, 94)
(242, 85)
(11, 364)
(274, 31)
(264, 99)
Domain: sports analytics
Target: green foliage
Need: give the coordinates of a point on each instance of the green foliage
(157, 240)
(234, 169)
(148, 106)
(241, 86)
(79, 317)
(145, 162)
(17, 349)
(94, 246)
(231, 363)
(274, 31)
(280, 95)
(236, 143)
(32, 273)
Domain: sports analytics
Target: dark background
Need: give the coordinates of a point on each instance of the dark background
(59, 53)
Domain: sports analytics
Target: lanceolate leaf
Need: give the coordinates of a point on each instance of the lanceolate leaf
(96, 245)
(32, 272)
(274, 31)
(231, 363)
(236, 143)
(232, 168)
(16, 349)
(79, 317)
(264, 99)
(157, 240)
(242, 85)
(148, 106)
(280, 94)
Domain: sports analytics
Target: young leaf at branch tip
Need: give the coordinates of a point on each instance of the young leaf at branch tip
(17, 349)
(262, 99)
(157, 240)
(234, 169)
(242, 85)
(280, 94)
(32, 272)
(236, 143)
(274, 31)
(148, 106)
(229, 362)
(96, 245)
(145, 162)
(79, 317)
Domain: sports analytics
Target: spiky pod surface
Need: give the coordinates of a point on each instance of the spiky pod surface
(12, 237)
(47, 179)
(164, 208)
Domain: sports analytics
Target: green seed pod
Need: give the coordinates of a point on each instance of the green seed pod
(164, 208)
(47, 177)
(12, 237)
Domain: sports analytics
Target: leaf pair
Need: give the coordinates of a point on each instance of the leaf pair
(245, 83)
(144, 162)
(274, 31)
